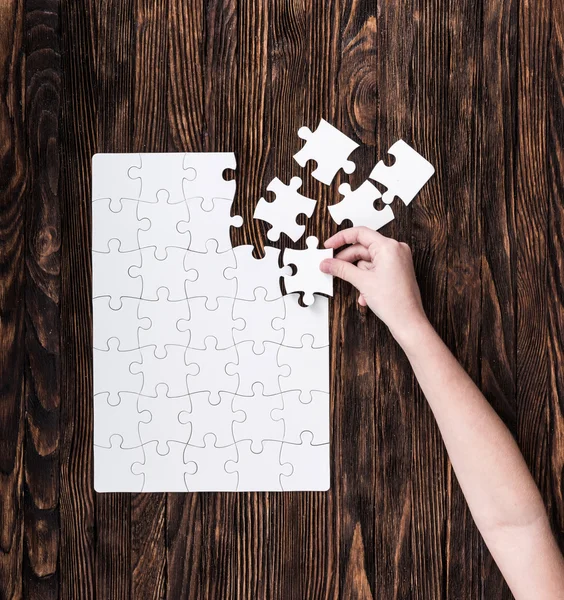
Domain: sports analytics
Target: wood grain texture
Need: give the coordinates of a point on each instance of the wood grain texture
(476, 87)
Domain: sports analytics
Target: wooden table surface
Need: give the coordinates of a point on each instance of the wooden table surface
(476, 87)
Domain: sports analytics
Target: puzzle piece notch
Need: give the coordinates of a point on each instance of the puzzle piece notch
(299, 416)
(208, 465)
(119, 223)
(251, 273)
(257, 316)
(211, 223)
(281, 213)
(111, 274)
(258, 471)
(168, 225)
(300, 320)
(164, 424)
(258, 424)
(163, 472)
(207, 417)
(310, 465)
(358, 206)
(160, 171)
(110, 178)
(405, 178)
(308, 278)
(329, 148)
(112, 467)
(205, 175)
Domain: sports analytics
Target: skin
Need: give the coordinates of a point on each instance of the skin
(503, 498)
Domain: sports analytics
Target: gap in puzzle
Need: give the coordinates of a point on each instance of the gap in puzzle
(206, 378)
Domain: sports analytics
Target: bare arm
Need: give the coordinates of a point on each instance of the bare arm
(502, 496)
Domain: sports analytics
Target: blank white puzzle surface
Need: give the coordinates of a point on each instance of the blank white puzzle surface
(206, 378)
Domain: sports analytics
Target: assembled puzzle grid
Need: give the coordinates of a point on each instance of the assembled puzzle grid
(206, 378)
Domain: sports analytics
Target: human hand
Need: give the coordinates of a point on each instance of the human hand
(383, 275)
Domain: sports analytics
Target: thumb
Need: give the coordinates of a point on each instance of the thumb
(343, 270)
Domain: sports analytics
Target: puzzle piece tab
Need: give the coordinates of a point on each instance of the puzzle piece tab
(208, 466)
(160, 171)
(112, 371)
(211, 223)
(310, 464)
(257, 316)
(122, 418)
(120, 223)
(281, 213)
(204, 175)
(111, 181)
(123, 323)
(406, 176)
(358, 207)
(299, 416)
(302, 320)
(308, 279)
(112, 467)
(329, 148)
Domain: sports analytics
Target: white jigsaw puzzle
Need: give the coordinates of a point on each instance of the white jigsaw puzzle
(329, 148)
(196, 351)
(358, 207)
(281, 213)
(308, 279)
(406, 176)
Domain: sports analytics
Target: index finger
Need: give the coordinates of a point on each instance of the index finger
(354, 235)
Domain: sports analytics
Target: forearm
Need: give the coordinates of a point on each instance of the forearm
(492, 473)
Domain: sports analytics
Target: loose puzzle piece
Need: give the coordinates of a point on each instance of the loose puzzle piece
(110, 178)
(163, 171)
(258, 424)
(206, 417)
(171, 370)
(406, 176)
(259, 471)
(122, 418)
(258, 315)
(120, 223)
(204, 175)
(308, 279)
(215, 222)
(301, 320)
(358, 207)
(112, 274)
(208, 466)
(164, 424)
(112, 467)
(168, 225)
(262, 368)
(163, 472)
(210, 281)
(309, 369)
(163, 316)
(153, 274)
(299, 416)
(212, 375)
(329, 148)
(310, 464)
(217, 323)
(122, 323)
(282, 212)
(251, 273)
(111, 371)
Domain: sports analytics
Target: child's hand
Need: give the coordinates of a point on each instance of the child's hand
(383, 275)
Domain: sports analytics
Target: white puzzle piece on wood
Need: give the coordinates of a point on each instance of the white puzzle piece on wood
(310, 465)
(281, 213)
(358, 207)
(406, 176)
(308, 278)
(329, 148)
(188, 335)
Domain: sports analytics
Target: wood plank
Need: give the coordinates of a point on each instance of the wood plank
(43, 240)
(496, 134)
(13, 176)
(78, 129)
(555, 157)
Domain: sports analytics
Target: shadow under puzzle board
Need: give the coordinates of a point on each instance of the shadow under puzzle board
(206, 378)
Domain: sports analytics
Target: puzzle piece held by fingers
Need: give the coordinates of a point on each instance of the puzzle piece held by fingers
(308, 278)
(329, 148)
(406, 176)
(282, 212)
(358, 207)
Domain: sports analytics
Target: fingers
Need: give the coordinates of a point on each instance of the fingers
(361, 300)
(364, 265)
(343, 270)
(354, 235)
(354, 253)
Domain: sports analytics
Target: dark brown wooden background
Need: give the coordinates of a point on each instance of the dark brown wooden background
(476, 87)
